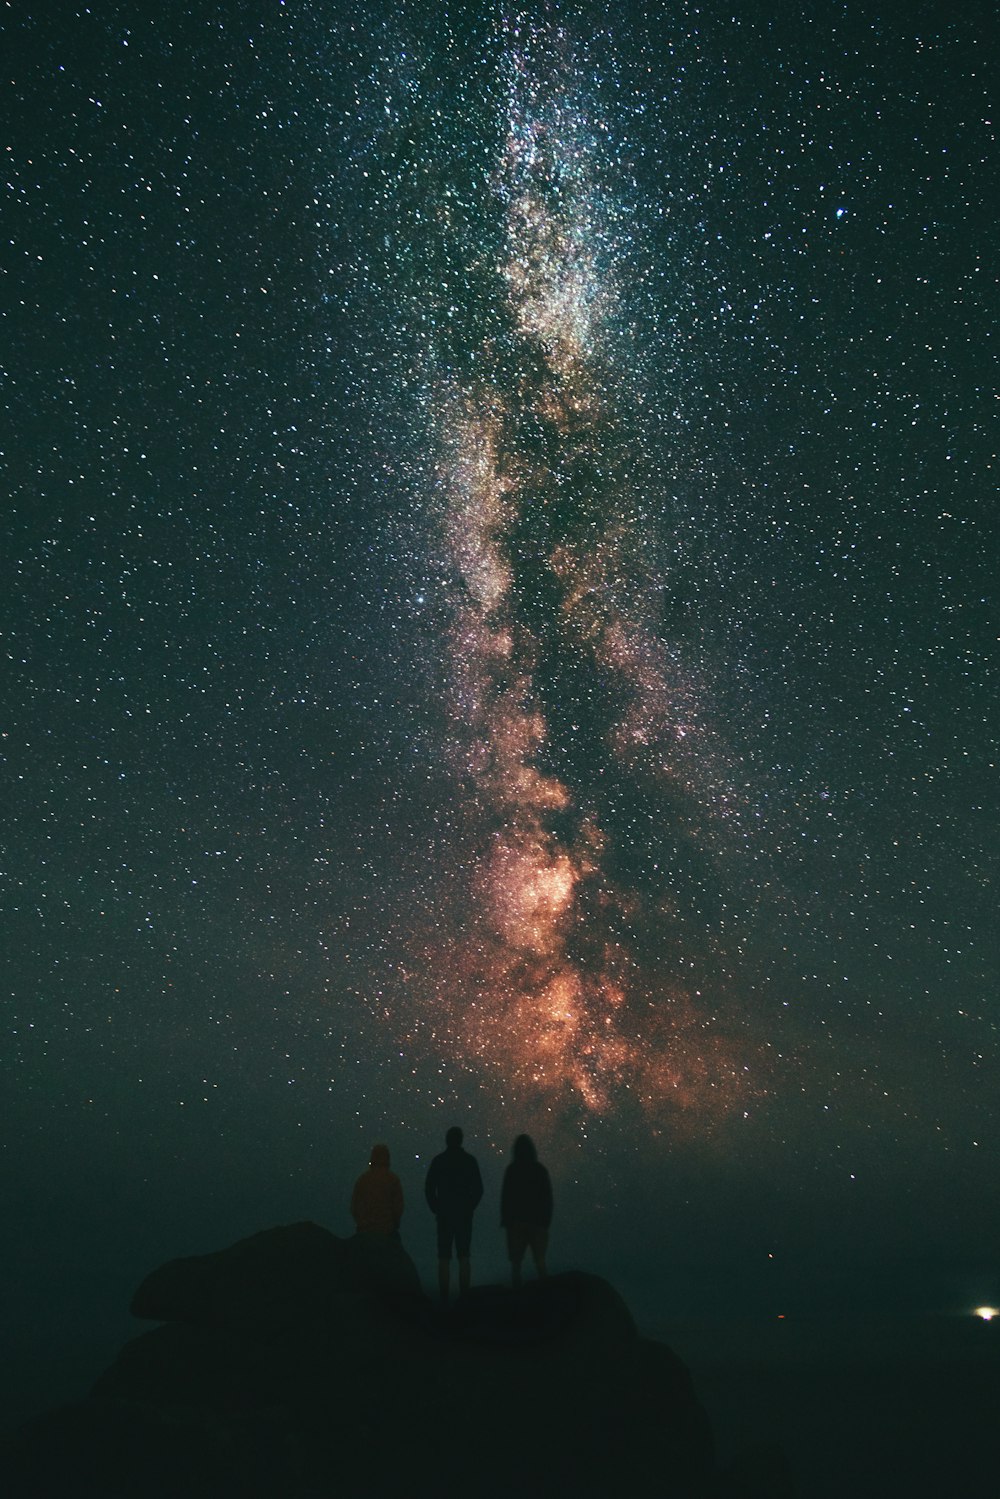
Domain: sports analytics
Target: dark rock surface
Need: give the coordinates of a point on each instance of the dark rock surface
(297, 1365)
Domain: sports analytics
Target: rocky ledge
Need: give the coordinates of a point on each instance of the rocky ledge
(296, 1365)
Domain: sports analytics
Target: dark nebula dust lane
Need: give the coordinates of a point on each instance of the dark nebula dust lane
(579, 736)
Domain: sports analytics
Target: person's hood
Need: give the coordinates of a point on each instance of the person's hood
(380, 1155)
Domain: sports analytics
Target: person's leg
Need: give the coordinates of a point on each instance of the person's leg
(463, 1248)
(539, 1244)
(515, 1252)
(445, 1234)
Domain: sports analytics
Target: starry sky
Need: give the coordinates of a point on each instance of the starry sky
(498, 617)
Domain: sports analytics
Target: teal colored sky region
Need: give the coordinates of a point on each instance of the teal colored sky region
(498, 606)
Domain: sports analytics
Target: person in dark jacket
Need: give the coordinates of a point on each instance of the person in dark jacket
(453, 1190)
(526, 1208)
(377, 1199)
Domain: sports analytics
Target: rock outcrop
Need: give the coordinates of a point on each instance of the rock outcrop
(297, 1365)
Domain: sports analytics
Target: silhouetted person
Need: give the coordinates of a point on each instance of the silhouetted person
(453, 1189)
(526, 1208)
(377, 1199)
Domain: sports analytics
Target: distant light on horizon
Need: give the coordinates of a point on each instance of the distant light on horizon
(987, 1313)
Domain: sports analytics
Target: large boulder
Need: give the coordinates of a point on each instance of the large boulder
(280, 1276)
(298, 1365)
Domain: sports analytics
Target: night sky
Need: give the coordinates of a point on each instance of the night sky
(498, 564)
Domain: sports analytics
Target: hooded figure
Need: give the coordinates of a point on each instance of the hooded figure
(377, 1199)
(526, 1207)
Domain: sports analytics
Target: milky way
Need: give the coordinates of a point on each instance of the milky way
(568, 709)
(498, 588)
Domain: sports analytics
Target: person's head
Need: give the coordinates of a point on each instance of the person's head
(380, 1155)
(454, 1138)
(524, 1149)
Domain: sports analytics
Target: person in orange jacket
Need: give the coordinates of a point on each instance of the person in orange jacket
(377, 1199)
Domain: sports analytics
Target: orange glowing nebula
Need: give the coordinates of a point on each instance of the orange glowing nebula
(541, 987)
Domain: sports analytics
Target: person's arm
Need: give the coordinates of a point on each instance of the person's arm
(396, 1201)
(477, 1185)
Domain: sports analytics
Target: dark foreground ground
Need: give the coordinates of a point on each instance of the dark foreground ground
(863, 1407)
(871, 1404)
